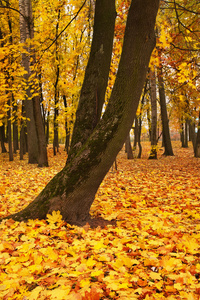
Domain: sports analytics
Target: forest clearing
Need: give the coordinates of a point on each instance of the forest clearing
(151, 252)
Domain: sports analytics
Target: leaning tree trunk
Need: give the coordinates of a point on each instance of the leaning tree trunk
(96, 75)
(73, 189)
(153, 152)
(164, 117)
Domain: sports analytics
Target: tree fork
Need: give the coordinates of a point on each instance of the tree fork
(73, 189)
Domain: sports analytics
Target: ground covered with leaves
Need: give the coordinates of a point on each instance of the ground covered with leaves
(153, 251)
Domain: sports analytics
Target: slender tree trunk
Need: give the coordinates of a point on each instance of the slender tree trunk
(36, 136)
(197, 144)
(9, 131)
(128, 147)
(186, 134)
(72, 190)
(153, 152)
(2, 138)
(165, 120)
(24, 8)
(96, 75)
(67, 138)
(15, 129)
(135, 134)
(149, 118)
(192, 134)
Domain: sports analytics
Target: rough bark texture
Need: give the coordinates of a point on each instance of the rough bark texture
(72, 190)
(96, 75)
(164, 117)
(153, 152)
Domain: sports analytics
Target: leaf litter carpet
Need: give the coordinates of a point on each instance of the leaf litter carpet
(152, 252)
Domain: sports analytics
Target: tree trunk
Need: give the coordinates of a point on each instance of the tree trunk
(67, 138)
(15, 129)
(9, 131)
(24, 8)
(197, 144)
(2, 138)
(192, 134)
(186, 134)
(136, 131)
(72, 190)
(153, 152)
(164, 117)
(128, 147)
(36, 136)
(96, 75)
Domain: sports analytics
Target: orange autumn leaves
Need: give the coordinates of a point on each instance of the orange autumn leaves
(151, 253)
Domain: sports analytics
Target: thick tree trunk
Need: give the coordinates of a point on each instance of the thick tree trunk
(153, 152)
(72, 191)
(165, 120)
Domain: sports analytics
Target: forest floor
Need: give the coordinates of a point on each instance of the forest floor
(152, 252)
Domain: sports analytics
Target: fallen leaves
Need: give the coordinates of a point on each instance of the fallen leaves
(152, 253)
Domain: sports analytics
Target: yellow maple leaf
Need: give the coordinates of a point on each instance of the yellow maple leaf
(56, 217)
(155, 276)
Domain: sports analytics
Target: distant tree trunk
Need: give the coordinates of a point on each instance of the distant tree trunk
(66, 127)
(73, 189)
(153, 152)
(24, 8)
(15, 130)
(192, 133)
(165, 120)
(2, 138)
(135, 134)
(47, 128)
(197, 144)
(148, 118)
(186, 134)
(56, 93)
(128, 147)
(36, 136)
(9, 131)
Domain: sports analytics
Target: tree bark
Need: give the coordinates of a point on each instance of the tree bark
(197, 144)
(164, 117)
(36, 135)
(96, 75)
(128, 147)
(153, 152)
(2, 138)
(72, 190)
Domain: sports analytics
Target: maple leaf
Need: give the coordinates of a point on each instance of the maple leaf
(56, 217)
